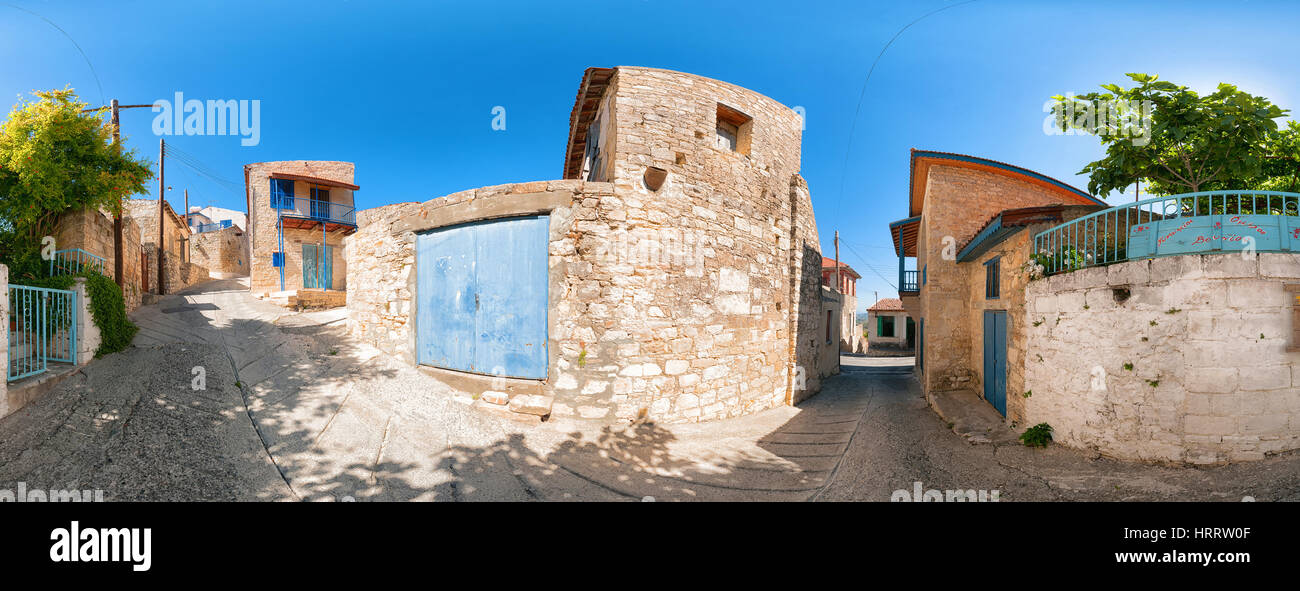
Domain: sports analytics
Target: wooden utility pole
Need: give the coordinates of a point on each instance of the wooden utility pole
(187, 224)
(162, 198)
(114, 107)
(117, 215)
(838, 283)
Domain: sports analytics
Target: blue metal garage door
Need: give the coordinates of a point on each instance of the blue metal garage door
(481, 297)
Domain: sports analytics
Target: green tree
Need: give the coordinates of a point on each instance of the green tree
(1194, 143)
(55, 158)
(1281, 169)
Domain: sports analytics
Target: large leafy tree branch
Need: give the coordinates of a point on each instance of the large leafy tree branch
(55, 158)
(1192, 143)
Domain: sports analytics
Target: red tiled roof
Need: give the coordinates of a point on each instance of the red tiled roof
(829, 263)
(887, 305)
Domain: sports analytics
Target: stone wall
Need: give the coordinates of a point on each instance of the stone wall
(176, 276)
(1174, 359)
(92, 231)
(696, 300)
(1014, 253)
(263, 240)
(223, 252)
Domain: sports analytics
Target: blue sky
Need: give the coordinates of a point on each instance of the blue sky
(406, 90)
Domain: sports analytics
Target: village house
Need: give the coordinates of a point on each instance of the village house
(845, 285)
(672, 273)
(889, 328)
(298, 214)
(968, 231)
(178, 272)
(1142, 331)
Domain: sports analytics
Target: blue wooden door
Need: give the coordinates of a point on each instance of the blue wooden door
(482, 297)
(995, 359)
(445, 306)
(317, 272)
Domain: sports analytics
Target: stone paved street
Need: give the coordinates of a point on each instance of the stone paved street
(294, 409)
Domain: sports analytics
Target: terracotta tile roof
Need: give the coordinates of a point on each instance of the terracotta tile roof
(829, 263)
(887, 305)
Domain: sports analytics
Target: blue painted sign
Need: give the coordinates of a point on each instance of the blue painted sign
(482, 297)
(1212, 233)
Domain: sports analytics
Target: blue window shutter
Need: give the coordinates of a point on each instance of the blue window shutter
(281, 194)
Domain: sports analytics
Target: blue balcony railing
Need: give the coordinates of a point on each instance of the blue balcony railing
(908, 282)
(73, 261)
(316, 209)
(213, 227)
(1190, 223)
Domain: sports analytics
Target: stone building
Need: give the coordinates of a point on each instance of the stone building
(223, 251)
(178, 272)
(673, 273)
(1155, 336)
(889, 328)
(845, 284)
(969, 230)
(299, 213)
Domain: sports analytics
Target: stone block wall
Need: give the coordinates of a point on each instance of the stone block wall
(92, 231)
(176, 276)
(223, 252)
(1174, 359)
(695, 300)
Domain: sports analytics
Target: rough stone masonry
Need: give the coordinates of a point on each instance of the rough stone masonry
(684, 266)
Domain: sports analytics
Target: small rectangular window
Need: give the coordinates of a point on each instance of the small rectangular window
(734, 130)
(887, 326)
(992, 279)
(830, 319)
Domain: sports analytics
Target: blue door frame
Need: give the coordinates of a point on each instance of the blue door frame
(482, 294)
(995, 359)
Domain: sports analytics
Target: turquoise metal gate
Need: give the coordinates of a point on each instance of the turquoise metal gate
(42, 328)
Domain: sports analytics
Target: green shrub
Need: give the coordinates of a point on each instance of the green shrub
(107, 308)
(1037, 436)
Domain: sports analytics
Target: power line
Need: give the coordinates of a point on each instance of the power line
(862, 95)
(192, 162)
(871, 268)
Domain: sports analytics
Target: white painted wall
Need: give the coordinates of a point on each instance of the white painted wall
(1206, 338)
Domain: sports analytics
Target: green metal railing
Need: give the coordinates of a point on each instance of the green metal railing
(1188, 223)
(42, 328)
(73, 261)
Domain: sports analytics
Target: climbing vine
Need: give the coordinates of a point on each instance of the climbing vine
(107, 308)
